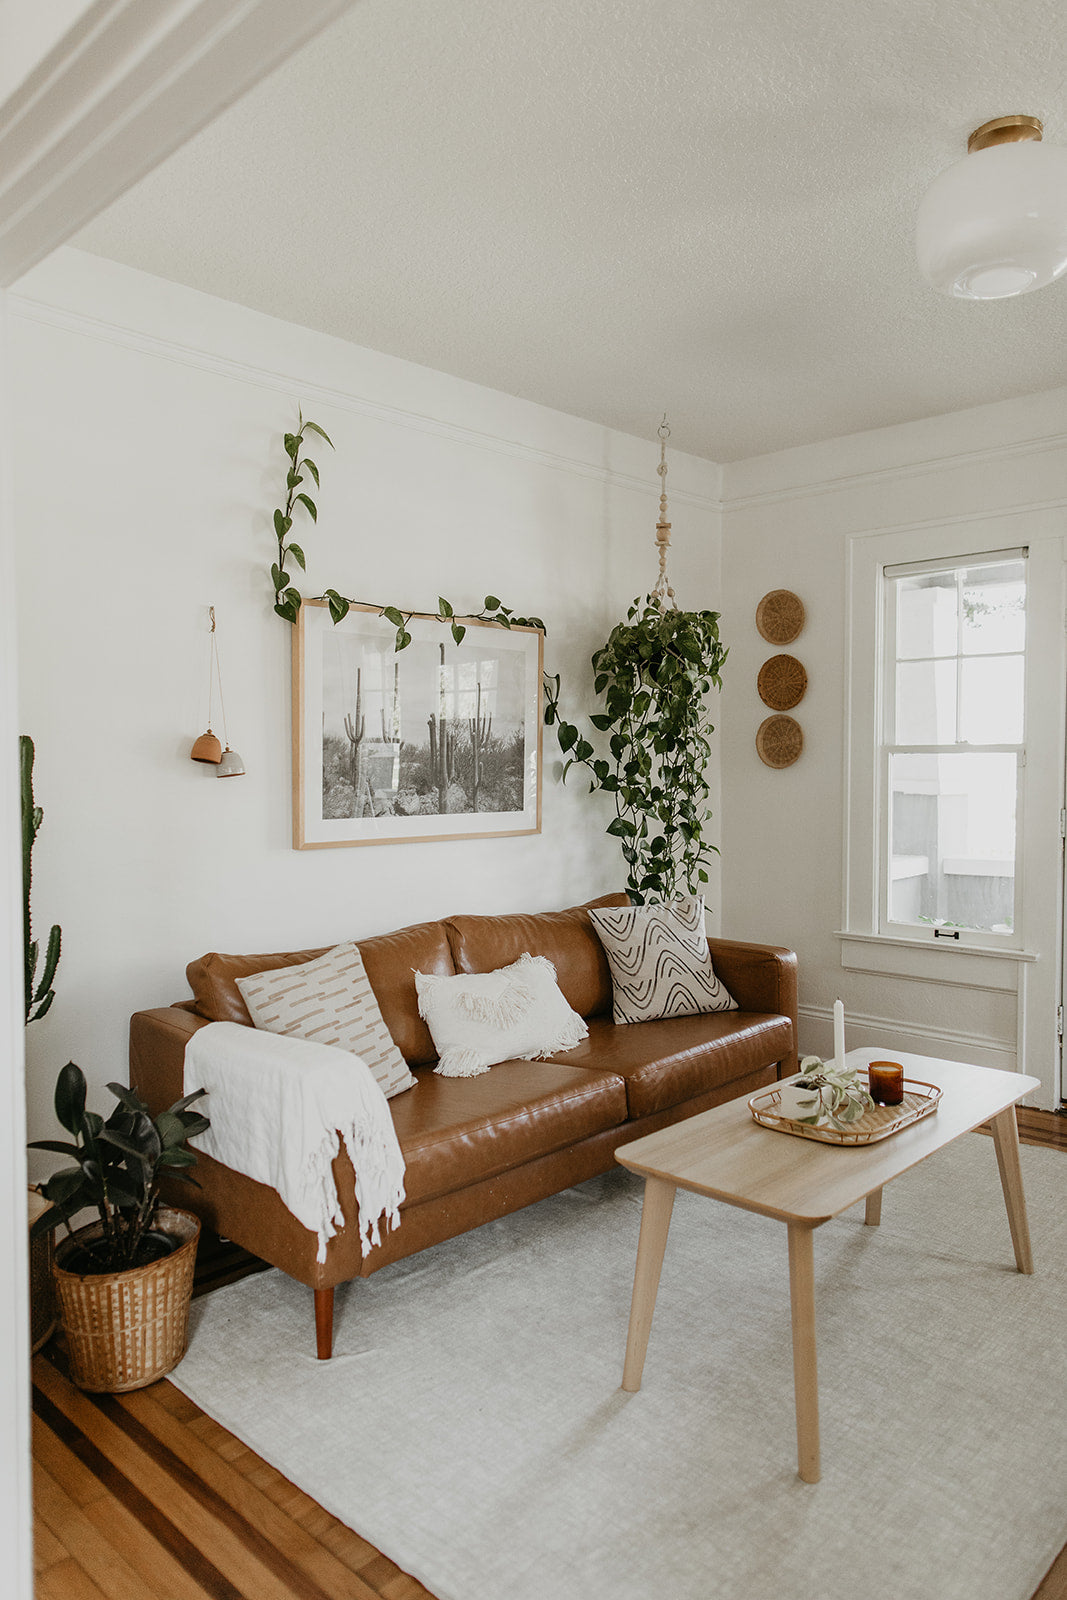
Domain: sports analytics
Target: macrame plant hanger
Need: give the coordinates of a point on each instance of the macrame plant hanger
(662, 593)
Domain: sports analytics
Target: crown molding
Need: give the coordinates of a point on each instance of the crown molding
(907, 469)
(127, 85)
(310, 392)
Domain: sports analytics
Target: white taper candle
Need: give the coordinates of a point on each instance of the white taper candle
(839, 1034)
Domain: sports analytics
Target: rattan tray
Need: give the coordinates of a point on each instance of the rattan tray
(920, 1099)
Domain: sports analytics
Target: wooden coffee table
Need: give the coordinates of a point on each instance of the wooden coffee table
(725, 1153)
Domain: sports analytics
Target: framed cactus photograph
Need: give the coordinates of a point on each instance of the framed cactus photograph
(437, 739)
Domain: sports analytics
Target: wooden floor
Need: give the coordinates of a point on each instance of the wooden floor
(143, 1497)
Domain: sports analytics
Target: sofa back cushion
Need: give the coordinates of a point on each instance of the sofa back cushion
(567, 938)
(390, 960)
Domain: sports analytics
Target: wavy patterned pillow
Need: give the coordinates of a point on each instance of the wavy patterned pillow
(517, 1013)
(660, 962)
(329, 1001)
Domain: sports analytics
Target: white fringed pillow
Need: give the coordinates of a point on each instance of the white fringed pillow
(514, 1014)
(660, 962)
(329, 1001)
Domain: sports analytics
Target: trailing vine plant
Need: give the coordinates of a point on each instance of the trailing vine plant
(655, 674)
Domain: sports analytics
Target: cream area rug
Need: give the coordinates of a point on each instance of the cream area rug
(472, 1426)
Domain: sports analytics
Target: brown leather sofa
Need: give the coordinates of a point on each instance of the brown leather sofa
(478, 1148)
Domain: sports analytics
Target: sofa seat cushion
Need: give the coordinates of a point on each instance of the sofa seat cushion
(455, 1131)
(676, 1058)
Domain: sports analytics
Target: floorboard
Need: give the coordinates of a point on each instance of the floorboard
(144, 1497)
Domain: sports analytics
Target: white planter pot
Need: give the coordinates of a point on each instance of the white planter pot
(796, 1103)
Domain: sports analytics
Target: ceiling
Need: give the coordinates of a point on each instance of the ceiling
(621, 209)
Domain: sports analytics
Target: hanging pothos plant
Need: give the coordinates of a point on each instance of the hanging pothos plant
(655, 675)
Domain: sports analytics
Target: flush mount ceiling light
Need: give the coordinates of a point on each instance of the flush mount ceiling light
(995, 224)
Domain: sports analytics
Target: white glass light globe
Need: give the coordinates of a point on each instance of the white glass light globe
(995, 224)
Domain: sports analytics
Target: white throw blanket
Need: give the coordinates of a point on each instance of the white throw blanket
(277, 1105)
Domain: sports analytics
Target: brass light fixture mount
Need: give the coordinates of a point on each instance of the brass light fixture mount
(1005, 130)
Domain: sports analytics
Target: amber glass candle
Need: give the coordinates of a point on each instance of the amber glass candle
(886, 1082)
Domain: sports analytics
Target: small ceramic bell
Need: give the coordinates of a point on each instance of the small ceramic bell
(231, 765)
(207, 748)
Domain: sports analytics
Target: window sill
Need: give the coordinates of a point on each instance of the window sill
(933, 961)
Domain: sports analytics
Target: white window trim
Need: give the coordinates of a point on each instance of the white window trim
(887, 686)
(1035, 962)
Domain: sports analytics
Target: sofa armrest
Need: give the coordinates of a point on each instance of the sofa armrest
(157, 1053)
(761, 977)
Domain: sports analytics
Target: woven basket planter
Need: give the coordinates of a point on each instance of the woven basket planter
(126, 1329)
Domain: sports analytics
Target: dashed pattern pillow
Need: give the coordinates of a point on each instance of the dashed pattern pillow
(660, 962)
(329, 1001)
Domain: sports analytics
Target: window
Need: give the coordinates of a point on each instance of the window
(952, 753)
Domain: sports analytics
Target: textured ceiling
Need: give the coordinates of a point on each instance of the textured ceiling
(617, 208)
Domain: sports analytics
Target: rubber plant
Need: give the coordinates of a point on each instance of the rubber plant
(118, 1164)
(655, 675)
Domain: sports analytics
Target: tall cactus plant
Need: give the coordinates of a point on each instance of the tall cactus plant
(481, 728)
(355, 728)
(39, 996)
(442, 757)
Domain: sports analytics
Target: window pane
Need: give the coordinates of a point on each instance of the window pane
(927, 608)
(952, 833)
(994, 608)
(991, 695)
(926, 703)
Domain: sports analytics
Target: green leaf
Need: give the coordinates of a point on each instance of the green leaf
(320, 431)
(177, 1158)
(602, 722)
(288, 612)
(56, 1145)
(292, 445)
(70, 1098)
(403, 639)
(312, 509)
(298, 556)
(622, 828)
(129, 1099)
(458, 632)
(309, 466)
(583, 750)
(443, 607)
(292, 478)
(293, 598)
(492, 603)
(339, 606)
(279, 524)
(391, 614)
(278, 577)
(567, 736)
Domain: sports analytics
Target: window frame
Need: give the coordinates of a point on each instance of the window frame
(889, 745)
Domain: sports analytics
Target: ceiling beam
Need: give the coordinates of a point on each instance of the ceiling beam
(124, 88)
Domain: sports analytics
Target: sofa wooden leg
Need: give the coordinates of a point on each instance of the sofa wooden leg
(324, 1323)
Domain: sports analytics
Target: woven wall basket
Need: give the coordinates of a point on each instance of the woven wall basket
(126, 1329)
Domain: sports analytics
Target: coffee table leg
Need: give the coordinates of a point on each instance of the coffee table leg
(1006, 1139)
(872, 1211)
(655, 1223)
(805, 1370)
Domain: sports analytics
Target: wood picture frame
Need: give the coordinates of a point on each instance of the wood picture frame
(436, 741)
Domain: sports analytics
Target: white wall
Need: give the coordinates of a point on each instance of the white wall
(147, 451)
(787, 522)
